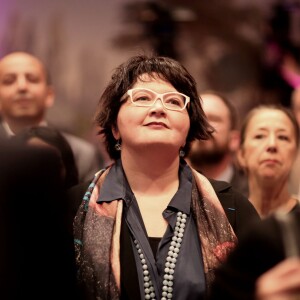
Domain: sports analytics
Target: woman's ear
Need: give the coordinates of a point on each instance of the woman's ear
(240, 158)
(116, 133)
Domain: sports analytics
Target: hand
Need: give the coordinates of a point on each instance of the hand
(282, 282)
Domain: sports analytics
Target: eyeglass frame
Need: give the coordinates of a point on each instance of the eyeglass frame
(158, 96)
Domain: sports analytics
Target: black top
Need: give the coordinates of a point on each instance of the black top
(154, 242)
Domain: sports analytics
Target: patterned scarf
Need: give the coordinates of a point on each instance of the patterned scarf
(97, 237)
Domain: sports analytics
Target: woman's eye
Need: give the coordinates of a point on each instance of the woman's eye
(259, 136)
(283, 138)
(143, 98)
(174, 101)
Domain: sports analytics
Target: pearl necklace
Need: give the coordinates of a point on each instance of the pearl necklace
(170, 264)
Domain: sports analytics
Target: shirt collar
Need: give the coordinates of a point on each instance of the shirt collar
(7, 129)
(182, 199)
(227, 174)
(10, 133)
(115, 186)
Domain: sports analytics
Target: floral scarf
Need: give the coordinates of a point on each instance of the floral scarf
(97, 236)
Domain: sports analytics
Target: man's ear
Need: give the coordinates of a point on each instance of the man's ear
(240, 158)
(50, 97)
(234, 142)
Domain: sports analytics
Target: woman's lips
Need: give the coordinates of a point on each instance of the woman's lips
(156, 124)
(270, 161)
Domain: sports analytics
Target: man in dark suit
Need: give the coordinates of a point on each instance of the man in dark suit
(215, 158)
(25, 95)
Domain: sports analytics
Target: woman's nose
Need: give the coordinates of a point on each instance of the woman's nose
(158, 105)
(272, 145)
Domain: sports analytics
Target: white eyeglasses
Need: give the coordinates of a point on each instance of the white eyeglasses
(145, 98)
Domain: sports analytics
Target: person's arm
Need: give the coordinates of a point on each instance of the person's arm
(282, 282)
(259, 249)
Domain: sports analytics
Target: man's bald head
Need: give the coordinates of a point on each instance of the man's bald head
(25, 94)
(14, 57)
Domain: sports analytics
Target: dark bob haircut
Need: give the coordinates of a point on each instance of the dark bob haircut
(127, 74)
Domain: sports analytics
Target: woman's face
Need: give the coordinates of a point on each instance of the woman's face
(269, 147)
(155, 126)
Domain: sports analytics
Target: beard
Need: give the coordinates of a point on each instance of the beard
(207, 157)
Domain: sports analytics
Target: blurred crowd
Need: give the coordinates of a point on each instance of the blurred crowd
(196, 169)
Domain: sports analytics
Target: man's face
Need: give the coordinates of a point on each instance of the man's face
(213, 150)
(24, 92)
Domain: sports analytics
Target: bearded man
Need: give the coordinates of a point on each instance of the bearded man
(215, 158)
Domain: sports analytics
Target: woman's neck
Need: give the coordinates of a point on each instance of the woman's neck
(154, 181)
(150, 174)
(272, 198)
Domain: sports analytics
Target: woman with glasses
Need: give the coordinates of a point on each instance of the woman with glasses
(149, 226)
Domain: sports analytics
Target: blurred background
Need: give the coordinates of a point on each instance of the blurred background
(245, 49)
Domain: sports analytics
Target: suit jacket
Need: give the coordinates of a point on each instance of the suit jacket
(239, 181)
(259, 249)
(239, 210)
(86, 156)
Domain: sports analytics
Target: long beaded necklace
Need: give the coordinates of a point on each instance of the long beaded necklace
(170, 264)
